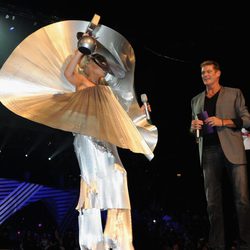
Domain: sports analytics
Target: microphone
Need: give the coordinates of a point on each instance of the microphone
(144, 100)
(197, 132)
(197, 135)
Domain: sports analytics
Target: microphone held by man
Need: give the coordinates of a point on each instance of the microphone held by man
(202, 125)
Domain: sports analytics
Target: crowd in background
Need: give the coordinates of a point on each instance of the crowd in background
(152, 230)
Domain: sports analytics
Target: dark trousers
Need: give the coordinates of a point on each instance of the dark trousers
(214, 165)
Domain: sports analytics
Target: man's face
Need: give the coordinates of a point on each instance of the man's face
(210, 75)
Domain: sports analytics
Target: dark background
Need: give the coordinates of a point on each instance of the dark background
(170, 40)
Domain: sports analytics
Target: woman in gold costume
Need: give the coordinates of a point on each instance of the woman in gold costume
(47, 80)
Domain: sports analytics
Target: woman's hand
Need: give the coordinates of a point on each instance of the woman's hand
(148, 107)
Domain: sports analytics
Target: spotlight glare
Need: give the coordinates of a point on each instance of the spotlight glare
(26, 155)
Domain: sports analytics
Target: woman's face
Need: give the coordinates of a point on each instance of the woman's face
(93, 69)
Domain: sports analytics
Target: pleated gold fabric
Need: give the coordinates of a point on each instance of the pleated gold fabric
(33, 86)
(93, 111)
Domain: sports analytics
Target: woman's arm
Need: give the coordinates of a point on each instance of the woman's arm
(73, 76)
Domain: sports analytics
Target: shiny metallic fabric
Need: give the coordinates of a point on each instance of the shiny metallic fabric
(35, 68)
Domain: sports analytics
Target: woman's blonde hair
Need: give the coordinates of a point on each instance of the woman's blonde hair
(98, 60)
(81, 66)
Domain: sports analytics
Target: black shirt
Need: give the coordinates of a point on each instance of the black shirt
(210, 106)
